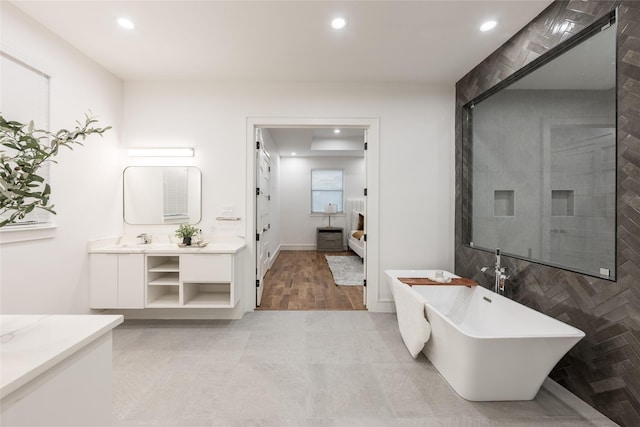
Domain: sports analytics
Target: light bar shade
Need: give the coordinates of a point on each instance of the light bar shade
(160, 152)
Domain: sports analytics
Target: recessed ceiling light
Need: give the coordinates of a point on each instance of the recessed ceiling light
(338, 23)
(126, 23)
(293, 154)
(488, 26)
(336, 131)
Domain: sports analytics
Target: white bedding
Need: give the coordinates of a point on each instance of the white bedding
(356, 245)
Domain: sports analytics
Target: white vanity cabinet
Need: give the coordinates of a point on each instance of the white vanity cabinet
(163, 275)
(115, 280)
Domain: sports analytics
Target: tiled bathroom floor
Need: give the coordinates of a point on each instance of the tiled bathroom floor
(302, 368)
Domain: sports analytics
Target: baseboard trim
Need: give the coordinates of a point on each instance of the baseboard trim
(300, 247)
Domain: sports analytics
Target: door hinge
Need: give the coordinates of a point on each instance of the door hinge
(257, 145)
(365, 237)
(366, 146)
(364, 282)
(257, 191)
(268, 226)
(365, 191)
(269, 198)
(257, 237)
(269, 168)
(257, 283)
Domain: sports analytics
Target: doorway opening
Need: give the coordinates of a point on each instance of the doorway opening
(292, 222)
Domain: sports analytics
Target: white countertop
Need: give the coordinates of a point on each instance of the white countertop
(123, 245)
(32, 344)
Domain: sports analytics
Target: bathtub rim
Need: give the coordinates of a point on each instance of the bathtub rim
(575, 333)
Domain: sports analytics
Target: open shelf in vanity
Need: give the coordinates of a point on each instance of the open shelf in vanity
(189, 280)
(163, 281)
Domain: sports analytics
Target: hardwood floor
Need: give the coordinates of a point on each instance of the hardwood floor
(301, 280)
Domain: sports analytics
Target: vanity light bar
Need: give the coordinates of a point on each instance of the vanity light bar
(160, 152)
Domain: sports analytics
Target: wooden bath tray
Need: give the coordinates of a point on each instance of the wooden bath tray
(421, 281)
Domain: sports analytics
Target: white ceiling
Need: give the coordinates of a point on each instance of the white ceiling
(318, 142)
(385, 41)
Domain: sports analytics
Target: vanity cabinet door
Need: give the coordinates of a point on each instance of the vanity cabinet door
(116, 280)
(206, 268)
(103, 280)
(130, 281)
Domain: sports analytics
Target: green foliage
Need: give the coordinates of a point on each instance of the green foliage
(186, 230)
(23, 150)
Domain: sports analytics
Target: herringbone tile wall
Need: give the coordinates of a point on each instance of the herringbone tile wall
(604, 368)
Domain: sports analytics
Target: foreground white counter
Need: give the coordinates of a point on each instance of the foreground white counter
(55, 370)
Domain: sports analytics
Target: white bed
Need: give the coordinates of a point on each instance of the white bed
(356, 245)
(355, 238)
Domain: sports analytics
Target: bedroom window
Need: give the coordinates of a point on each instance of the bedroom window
(327, 186)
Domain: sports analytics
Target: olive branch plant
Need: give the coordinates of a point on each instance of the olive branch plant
(23, 150)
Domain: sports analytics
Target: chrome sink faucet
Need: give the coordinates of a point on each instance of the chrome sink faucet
(500, 273)
(146, 239)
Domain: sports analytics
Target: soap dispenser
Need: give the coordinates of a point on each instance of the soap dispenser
(198, 238)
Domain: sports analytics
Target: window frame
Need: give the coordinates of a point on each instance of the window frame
(39, 223)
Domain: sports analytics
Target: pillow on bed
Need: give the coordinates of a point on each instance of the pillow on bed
(360, 222)
(354, 220)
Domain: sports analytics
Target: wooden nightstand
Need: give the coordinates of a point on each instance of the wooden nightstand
(329, 239)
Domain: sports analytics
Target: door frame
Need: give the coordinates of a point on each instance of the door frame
(372, 168)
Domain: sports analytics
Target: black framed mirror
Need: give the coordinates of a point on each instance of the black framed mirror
(539, 158)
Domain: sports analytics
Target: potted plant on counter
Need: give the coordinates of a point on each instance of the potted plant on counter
(186, 232)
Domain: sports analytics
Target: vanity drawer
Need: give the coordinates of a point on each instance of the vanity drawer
(206, 268)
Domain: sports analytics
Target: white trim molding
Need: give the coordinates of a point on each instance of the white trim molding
(17, 233)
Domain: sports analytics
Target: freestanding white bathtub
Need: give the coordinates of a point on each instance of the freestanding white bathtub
(486, 346)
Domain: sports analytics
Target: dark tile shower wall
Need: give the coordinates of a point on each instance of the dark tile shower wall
(604, 368)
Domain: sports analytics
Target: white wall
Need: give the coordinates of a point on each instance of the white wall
(51, 275)
(416, 166)
(295, 191)
(416, 162)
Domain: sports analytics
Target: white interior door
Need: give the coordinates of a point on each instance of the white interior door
(263, 191)
(364, 260)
